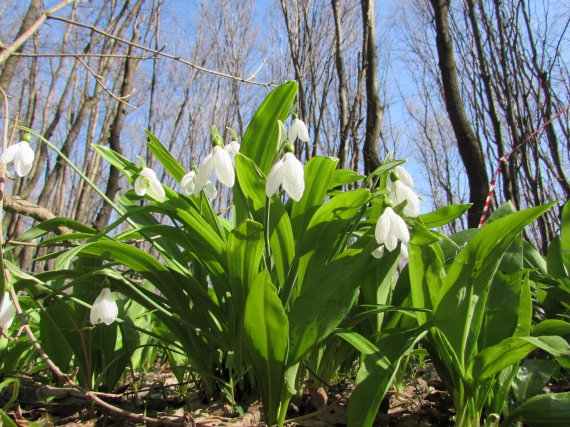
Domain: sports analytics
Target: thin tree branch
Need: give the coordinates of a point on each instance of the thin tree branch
(99, 81)
(160, 53)
(77, 54)
(8, 51)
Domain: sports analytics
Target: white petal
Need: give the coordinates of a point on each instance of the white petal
(401, 192)
(7, 312)
(224, 167)
(140, 185)
(378, 252)
(210, 190)
(8, 155)
(302, 131)
(104, 308)
(405, 176)
(23, 159)
(398, 227)
(155, 189)
(188, 184)
(148, 173)
(233, 148)
(274, 179)
(391, 242)
(293, 177)
(205, 171)
(383, 226)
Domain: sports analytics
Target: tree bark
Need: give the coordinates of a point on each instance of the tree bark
(374, 107)
(468, 145)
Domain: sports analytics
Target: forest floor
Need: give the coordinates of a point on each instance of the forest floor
(419, 401)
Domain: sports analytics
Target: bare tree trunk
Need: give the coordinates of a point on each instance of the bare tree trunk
(12, 62)
(115, 132)
(374, 107)
(342, 88)
(469, 147)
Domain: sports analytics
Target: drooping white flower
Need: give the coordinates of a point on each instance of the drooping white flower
(188, 184)
(190, 187)
(104, 308)
(401, 184)
(147, 182)
(404, 252)
(400, 192)
(299, 130)
(233, 148)
(7, 312)
(405, 176)
(22, 156)
(390, 229)
(220, 162)
(288, 172)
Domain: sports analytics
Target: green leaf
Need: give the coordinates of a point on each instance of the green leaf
(266, 331)
(164, 157)
(532, 376)
(551, 327)
(244, 253)
(344, 177)
(509, 306)
(565, 237)
(318, 174)
(261, 139)
(325, 230)
(319, 309)
(512, 350)
(444, 215)
(252, 188)
(377, 374)
(463, 297)
(544, 410)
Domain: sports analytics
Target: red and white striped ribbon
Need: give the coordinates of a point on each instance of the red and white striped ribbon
(505, 158)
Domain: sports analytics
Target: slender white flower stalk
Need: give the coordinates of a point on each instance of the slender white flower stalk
(391, 229)
(299, 130)
(7, 312)
(147, 182)
(190, 187)
(104, 308)
(288, 172)
(220, 162)
(22, 156)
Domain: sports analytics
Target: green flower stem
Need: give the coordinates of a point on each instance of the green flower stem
(76, 169)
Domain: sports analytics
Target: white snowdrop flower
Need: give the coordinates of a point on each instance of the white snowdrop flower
(233, 148)
(147, 182)
(220, 162)
(104, 308)
(390, 229)
(7, 312)
(210, 190)
(22, 156)
(400, 192)
(288, 172)
(378, 252)
(190, 186)
(405, 176)
(299, 130)
(401, 184)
